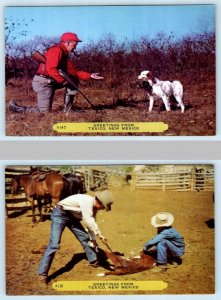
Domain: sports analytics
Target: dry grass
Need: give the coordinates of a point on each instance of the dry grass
(118, 105)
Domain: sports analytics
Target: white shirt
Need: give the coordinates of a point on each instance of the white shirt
(81, 206)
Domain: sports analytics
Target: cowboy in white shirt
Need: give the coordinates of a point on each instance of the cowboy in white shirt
(69, 212)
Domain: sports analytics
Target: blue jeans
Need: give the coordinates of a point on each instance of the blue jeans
(61, 219)
(165, 248)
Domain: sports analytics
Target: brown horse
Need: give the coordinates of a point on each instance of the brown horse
(46, 184)
(22, 181)
(131, 265)
(39, 186)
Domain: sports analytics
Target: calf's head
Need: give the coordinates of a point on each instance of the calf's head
(144, 84)
(147, 76)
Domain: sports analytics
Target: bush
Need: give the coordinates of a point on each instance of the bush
(191, 57)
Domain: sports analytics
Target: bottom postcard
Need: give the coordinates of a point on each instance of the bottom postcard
(110, 229)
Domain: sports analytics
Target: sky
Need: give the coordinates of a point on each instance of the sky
(92, 23)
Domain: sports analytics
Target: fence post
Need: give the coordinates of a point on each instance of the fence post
(6, 211)
(87, 179)
(192, 179)
(133, 182)
(164, 182)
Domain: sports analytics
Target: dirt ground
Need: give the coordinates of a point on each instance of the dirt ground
(127, 227)
(122, 105)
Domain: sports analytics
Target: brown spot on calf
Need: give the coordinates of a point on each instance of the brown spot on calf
(132, 265)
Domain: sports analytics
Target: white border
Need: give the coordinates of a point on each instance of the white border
(217, 165)
(108, 138)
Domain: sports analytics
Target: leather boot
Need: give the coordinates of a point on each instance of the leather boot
(14, 107)
(68, 102)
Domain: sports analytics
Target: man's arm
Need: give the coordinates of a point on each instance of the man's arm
(88, 216)
(154, 241)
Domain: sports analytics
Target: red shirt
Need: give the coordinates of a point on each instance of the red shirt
(57, 58)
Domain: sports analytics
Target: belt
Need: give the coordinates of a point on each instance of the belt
(44, 76)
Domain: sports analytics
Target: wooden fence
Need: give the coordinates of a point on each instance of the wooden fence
(192, 180)
(102, 178)
(177, 181)
(19, 203)
(15, 203)
(116, 181)
(95, 178)
(91, 178)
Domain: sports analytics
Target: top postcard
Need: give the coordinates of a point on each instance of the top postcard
(110, 70)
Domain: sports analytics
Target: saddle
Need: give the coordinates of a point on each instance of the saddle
(40, 175)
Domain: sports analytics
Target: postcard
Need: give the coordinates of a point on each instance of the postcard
(141, 70)
(110, 229)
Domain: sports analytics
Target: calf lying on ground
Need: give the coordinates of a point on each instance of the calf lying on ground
(124, 265)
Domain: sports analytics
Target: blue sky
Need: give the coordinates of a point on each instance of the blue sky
(94, 22)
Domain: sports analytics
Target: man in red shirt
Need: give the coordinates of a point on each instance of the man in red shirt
(48, 78)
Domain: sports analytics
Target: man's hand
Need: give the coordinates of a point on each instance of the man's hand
(96, 76)
(93, 244)
(103, 238)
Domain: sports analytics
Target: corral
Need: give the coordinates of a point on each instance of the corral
(191, 179)
(127, 228)
(93, 178)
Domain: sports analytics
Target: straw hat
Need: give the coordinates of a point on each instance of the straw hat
(162, 219)
(106, 198)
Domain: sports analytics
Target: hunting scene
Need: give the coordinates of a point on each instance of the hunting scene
(110, 223)
(135, 64)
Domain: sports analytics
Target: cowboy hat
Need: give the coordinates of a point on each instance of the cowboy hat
(162, 219)
(106, 198)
